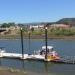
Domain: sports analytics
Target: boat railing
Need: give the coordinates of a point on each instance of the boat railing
(68, 59)
(2, 49)
(36, 52)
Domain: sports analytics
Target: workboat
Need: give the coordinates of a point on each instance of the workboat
(41, 54)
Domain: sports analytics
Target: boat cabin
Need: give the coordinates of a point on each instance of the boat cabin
(51, 54)
(49, 50)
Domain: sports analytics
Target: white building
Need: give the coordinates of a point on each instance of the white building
(36, 27)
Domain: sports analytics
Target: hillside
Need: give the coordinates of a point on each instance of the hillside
(70, 21)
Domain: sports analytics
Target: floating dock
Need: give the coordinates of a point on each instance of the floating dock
(13, 55)
(34, 57)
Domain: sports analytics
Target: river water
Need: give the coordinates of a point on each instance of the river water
(63, 47)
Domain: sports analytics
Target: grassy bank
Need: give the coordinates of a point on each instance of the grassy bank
(53, 33)
(36, 37)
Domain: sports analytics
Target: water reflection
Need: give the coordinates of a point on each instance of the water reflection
(43, 68)
(0, 61)
(36, 66)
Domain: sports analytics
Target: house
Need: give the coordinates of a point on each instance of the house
(36, 27)
(33, 26)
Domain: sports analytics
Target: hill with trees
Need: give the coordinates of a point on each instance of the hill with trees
(68, 21)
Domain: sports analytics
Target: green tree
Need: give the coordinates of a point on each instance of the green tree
(4, 25)
(11, 24)
(32, 29)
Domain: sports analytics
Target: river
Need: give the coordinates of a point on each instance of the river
(63, 47)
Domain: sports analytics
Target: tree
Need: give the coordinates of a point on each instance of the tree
(4, 25)
(32, 29)
(11, 24)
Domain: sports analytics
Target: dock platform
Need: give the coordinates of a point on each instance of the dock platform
(34, 57)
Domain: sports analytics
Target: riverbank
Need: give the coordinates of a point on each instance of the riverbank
(36, 37)
(11, 71)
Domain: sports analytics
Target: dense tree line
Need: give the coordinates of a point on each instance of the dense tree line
(4, 25)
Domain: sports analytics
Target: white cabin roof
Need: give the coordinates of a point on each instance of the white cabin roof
(48, 47)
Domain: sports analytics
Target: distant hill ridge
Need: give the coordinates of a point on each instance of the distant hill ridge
(70, 21)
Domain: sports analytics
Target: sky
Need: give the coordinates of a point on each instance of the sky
(28, 11)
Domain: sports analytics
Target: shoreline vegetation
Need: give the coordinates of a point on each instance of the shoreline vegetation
(37, 37)
(53, 33)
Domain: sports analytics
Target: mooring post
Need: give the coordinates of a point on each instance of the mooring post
(29, 40)
(29, 35)
(46, 41)
(22, 42)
